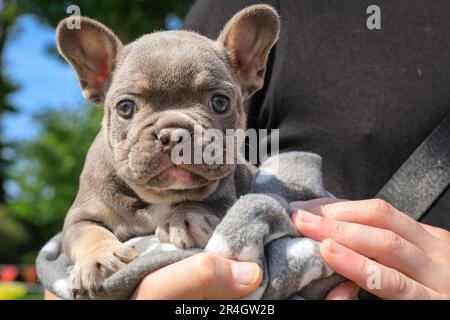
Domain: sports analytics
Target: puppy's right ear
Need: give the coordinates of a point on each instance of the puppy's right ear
(91, 50)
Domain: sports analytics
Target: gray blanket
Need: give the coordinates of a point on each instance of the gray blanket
(257, 228)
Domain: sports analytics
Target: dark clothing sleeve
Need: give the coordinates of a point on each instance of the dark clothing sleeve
(362, 99)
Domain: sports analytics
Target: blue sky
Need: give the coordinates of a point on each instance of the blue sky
(44, 81)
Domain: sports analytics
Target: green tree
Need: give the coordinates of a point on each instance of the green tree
(8, 15)
(129, 19)
(14, 237)
(11, 230)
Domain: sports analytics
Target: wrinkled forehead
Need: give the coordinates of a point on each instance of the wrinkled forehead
(172, 62)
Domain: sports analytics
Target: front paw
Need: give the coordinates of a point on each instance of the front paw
(91, 270)
(188, 229)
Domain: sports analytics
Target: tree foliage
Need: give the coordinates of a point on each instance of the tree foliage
(129, 19)
(8, 15)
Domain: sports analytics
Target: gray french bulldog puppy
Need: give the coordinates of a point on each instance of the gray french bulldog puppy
(149, 89)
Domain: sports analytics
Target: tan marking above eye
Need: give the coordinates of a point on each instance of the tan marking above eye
(142, 84)
(200, 79)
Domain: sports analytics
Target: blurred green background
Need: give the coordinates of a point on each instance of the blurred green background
(43, 141)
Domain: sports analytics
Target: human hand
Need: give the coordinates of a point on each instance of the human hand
(365, 239)
(202, 276)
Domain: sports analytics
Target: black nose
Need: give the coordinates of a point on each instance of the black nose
(166, 140)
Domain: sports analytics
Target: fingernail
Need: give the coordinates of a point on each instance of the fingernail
(298, 204)
(245, 273)
(333, 247)
(306, 216)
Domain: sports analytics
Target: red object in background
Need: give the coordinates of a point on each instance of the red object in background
(9, 273)
(29, 274)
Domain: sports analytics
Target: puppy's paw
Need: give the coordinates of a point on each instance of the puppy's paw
(188, 229)
(91, 270)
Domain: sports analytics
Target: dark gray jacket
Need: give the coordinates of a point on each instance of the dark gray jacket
(362, 99)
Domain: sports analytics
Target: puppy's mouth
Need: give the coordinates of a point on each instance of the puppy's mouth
(177, 178)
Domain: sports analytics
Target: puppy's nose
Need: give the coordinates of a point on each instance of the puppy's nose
(170, 137)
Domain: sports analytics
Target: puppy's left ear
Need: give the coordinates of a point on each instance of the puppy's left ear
(248, 38)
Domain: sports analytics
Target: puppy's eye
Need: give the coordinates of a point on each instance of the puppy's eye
(219, 104)
(125, 109)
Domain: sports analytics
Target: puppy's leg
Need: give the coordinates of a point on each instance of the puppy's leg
(189, 225)
(97, 254)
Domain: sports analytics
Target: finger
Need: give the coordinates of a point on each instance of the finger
(50, 296)
(376, 213)
(202, 276)
(372, 276)
(345, 291)
(439, 233)
(311, 204)
(382, 245)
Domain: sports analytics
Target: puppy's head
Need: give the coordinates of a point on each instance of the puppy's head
(166, 82)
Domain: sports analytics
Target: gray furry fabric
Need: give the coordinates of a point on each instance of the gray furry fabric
(257, 228)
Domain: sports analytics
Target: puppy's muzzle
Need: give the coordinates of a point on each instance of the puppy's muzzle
(170, 137)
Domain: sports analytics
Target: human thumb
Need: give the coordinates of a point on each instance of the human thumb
(202, 276)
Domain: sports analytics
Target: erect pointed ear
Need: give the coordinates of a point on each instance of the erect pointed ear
(91, 50)
(248, 38)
